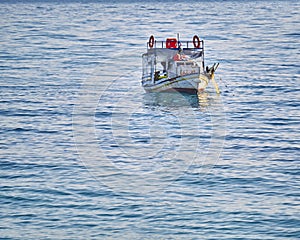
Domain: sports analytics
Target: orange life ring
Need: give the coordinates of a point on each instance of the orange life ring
(196, 41)
(151, 41)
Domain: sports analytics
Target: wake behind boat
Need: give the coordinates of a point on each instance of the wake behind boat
(175, 65)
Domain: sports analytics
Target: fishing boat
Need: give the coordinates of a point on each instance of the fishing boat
(176, 65)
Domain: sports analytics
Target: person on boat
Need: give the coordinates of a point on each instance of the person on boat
(180, 56)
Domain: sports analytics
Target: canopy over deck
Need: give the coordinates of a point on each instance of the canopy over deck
(175, 43)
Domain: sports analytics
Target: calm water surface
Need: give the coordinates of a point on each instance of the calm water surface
(86, 154)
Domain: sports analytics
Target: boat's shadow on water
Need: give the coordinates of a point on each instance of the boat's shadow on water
(175, 99)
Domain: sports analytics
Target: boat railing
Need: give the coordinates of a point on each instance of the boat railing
(180, 44)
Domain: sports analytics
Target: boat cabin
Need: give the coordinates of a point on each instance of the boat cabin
(172, 58)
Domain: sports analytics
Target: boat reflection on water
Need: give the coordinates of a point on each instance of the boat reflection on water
(201, 100)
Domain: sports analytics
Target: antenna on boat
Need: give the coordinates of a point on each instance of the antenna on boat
(178, 41)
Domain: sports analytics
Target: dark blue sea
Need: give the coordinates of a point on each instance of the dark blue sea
(85, 153)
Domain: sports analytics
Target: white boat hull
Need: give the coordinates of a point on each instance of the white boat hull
(191, 83)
